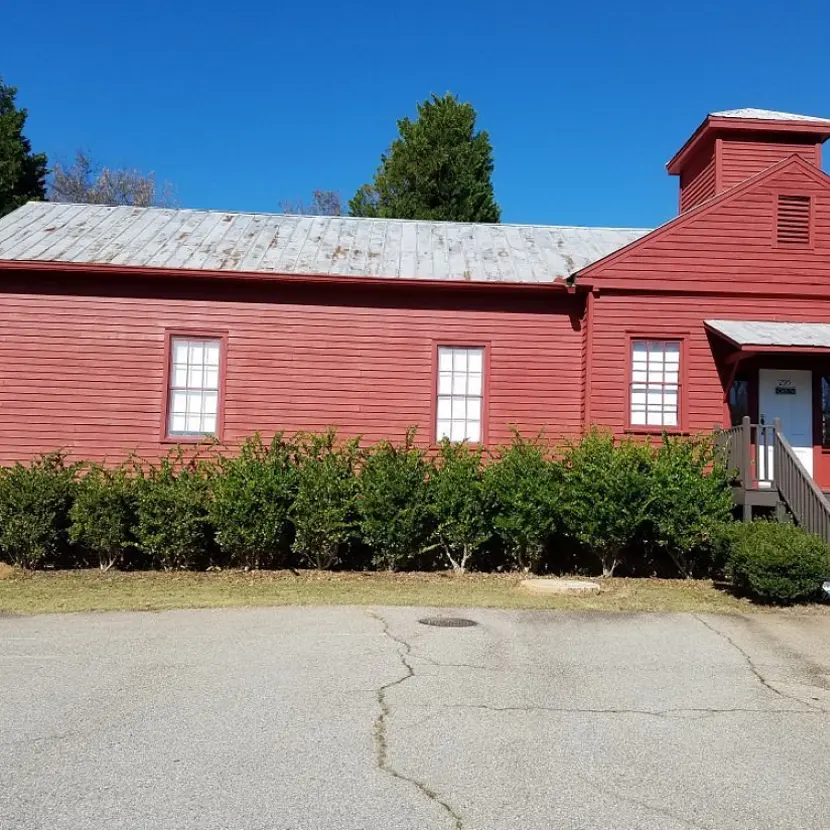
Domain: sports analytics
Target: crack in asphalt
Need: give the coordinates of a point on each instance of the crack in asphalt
(381, 727)
(657, 713)
(630, 799)
(754, 669)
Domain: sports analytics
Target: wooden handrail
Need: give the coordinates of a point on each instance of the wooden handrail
(761, 458)
(797, 488)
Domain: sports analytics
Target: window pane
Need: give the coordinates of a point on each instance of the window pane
(474, 409)
(180, 352)
(443, 429)
(194, 376)
(459, 409)
(459, 383)
(445, 383)
(211, 377)
(209, 423)
(212, 354)
(444, 408)
(475, 359)
(474, 384)
(180, 376)
(210, 401)
(444, 360)
(640, 350)
(474, 431)
(459, 360)
(197, 350)
(458, 431)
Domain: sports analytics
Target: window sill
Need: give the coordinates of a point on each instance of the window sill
(656, 431)
(189, 439)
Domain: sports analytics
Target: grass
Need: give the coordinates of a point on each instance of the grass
(43, 592)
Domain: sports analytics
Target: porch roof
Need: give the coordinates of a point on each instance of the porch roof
(766, 335)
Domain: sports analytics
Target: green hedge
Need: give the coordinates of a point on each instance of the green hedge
(777, 563)
(313, 500)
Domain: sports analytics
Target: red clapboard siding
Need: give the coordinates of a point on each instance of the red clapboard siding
(697, 181)
(614, 315)
(732, 244)
(85, 371)
(741, 159)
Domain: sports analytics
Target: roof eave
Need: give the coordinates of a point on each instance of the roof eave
(713, 123)
(561, 283)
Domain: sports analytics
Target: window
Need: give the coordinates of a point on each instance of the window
(738, 401)
(460, 385)
(655, 383)
(793, 227)
(193, 401)
(825, 411)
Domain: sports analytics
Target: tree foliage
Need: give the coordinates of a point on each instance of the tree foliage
(439, 168)
(173, 527)
(86, 182)
(459, 504)
(35, 500)
(324, 509)
(251, 495)
(608, 495)
(22, 172)
(691, 500)
(104, 513)
(524, 487)
(393, 503)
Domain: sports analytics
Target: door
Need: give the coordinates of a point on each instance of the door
(787, 394)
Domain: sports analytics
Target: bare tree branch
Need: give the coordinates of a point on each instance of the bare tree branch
(85, 182)
(323, 203)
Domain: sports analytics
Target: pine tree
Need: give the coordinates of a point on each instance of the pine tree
(439, 168)
(22, 173)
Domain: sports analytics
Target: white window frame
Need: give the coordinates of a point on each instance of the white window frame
(194, 386)
(459, 413)
(655, 383)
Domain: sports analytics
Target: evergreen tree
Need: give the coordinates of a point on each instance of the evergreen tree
(22, 173)
(439, 168)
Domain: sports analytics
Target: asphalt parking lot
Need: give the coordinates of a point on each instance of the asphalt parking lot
(365, 719)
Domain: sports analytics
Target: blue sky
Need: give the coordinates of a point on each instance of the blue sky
(244, 105)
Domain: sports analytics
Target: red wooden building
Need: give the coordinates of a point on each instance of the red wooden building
(130, 329)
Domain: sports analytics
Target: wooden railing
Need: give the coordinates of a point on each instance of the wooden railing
(762, 459)
(750, 453)
(797, 488)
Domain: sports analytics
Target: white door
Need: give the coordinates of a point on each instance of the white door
(788, 394)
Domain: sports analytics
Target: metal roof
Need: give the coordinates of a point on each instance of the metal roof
(765, 333)
(766, 115)
(319, 245)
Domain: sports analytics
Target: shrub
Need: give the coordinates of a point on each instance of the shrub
(690, 501)
(524, 489)
(324, 508)
(393, 503)
(34, 510)
(173, 527)
(458, 503)
(250, 499)
(777, 562)
(607, 493)
(104, 514)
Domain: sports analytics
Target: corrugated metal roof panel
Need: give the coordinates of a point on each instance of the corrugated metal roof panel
(767, 333)
(324, 245)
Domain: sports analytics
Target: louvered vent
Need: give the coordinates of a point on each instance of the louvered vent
(793, 220)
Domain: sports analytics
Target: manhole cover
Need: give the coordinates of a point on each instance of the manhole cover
(448, 622)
